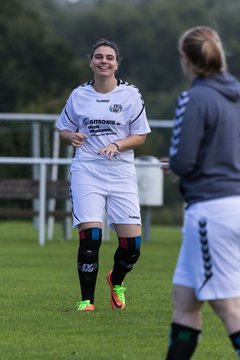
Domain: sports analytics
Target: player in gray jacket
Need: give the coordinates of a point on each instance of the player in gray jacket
(205, 154)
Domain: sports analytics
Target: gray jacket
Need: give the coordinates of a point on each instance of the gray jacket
(205, 144)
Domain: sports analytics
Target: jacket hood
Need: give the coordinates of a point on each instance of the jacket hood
(223, 82)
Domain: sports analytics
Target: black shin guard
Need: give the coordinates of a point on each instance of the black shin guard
(235, 339)
(183, 342)
(125, 257)
(88, 252)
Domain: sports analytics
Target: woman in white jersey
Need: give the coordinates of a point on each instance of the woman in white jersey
(104, 119)
(205, 154)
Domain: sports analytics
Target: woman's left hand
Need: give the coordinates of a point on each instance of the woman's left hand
(110, 151)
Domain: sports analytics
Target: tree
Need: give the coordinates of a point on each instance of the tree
(35, 66)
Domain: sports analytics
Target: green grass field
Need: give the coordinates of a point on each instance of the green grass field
(39, 289)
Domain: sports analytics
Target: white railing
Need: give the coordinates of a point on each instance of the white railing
(42, 191)
(154, 123)
(42, 163)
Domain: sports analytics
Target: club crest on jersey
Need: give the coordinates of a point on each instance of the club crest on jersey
(85, 120)
(116, 108)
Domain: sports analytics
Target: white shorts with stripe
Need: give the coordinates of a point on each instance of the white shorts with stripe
(209, 258)
(104, 188)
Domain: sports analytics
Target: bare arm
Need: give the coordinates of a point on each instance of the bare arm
(118, 146)
(131, 142)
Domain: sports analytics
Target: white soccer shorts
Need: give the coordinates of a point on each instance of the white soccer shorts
(209, 258)
(105, 188)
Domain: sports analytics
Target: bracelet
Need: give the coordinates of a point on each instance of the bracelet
(116, 146)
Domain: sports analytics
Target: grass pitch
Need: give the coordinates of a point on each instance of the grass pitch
(39, 289)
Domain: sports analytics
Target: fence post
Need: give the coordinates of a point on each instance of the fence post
(42, 204)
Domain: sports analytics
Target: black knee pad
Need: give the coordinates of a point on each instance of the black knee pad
(126, 259)
(87, 255)
(90, 239)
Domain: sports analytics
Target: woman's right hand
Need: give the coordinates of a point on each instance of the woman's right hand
(71, 138)
(167, 171)
(78, 139)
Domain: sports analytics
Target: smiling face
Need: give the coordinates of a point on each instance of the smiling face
(104, 62)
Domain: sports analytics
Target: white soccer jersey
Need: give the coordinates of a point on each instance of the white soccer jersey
(104, 118)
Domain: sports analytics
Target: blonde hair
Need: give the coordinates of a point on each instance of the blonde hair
(203, 46)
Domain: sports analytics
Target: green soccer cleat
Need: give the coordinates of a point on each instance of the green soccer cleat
(85, 306)
(117, 298)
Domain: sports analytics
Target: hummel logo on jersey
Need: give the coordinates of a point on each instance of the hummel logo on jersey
(116, 108)
(103, 100)
(133, 217)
